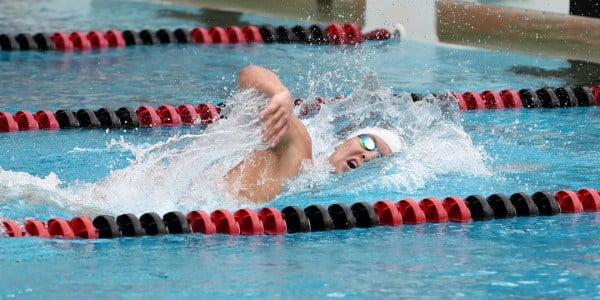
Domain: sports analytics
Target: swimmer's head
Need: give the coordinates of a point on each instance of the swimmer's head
(364, 145)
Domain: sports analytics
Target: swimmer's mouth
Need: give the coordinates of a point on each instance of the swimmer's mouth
(352, 164)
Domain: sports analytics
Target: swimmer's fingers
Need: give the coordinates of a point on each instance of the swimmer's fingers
(268, 116)
(273, 124)
(277, 130)
(276, 117)
(281, 101)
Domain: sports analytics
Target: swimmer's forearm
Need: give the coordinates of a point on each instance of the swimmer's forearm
(263, 80)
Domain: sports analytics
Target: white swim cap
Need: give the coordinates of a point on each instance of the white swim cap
(391, 138)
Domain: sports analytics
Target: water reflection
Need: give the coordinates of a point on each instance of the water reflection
(207, 16)
(576, 73)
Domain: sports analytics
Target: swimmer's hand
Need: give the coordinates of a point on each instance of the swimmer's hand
(276, 117)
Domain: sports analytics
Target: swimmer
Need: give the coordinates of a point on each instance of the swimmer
(262, 175)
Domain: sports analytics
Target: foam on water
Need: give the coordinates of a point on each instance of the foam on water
(186, 171)
(21, 185)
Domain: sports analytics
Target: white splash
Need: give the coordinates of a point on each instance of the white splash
(184, 172)
(437, 145)
(32, 189)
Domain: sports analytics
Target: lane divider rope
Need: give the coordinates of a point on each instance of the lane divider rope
(207, 113)
(124, 117)
(293, 219)
(333, 33)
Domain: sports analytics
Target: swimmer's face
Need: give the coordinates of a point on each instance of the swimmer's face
(350, 155)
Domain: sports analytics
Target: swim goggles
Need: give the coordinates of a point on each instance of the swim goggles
(368, 143)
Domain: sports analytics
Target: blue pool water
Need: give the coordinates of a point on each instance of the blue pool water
(68, 172)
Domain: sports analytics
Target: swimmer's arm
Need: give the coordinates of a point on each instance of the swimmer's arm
(277, 115)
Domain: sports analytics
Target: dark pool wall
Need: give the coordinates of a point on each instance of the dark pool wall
(586, 8)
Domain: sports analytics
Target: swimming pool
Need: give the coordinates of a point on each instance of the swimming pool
(474, 152)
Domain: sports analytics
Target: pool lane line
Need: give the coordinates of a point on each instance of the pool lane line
(207, 113)
(333, 33)
(547, 97)
(124, 117)
(313, 218)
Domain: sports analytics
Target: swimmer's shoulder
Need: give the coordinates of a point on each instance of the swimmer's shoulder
(295, 148)
(302, 138)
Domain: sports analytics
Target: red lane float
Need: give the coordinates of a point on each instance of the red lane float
(252, 34)
(201, 222)
(353, 33)
(473, 100)
(207, 112)
(568, 201)
(83, 228)
(97, 39)
(114, 38)
(60, 227)
(377, 35)
(7, 122)
(411, 212)
(26, 121)
(273, 221)
(596, 92)
(188, 114)
(388, 213)
(12, 229)
(248, 221)
(225, 222)
(148, 116)
(235, 35)
(336, 34)
(61, 41)
(590, 199)
(80, 41)
(434, 211)
(457, 209)
(168, 115)
(492, 99)
(201, 35)
(46, 120)
(462, 104)
(219, 35)
(511, 98)
(35, 227)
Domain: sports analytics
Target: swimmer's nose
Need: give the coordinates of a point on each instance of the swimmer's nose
(368, 155)
(364, 157)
